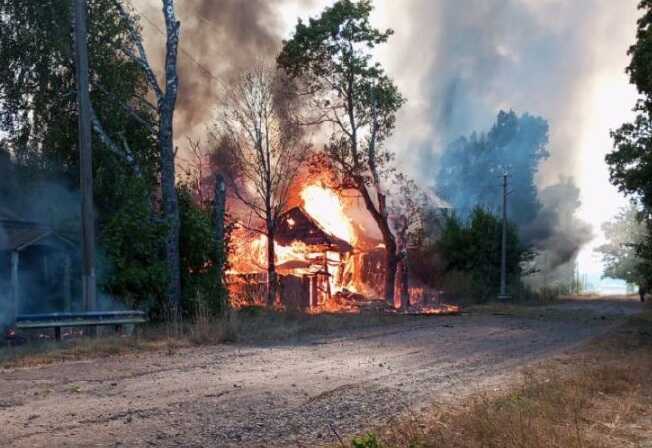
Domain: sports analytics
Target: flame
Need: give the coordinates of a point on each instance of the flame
(336, 281)
(325, 206)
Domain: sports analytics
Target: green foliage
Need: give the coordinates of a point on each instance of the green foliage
(630, 164)
(367, 441)
(132, 246)
(626, 236)
(37, 84)
(472, 248)
(199, 278)
(331, 55)
(38, 122)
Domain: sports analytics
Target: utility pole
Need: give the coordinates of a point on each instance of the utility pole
(503, 256)
(85, 158)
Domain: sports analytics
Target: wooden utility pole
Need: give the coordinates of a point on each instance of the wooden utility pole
(503, 256)
(85, 158)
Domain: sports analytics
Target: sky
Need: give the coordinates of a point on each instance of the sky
(458, 62)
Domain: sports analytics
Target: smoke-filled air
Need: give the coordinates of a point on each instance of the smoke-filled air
(339, 223)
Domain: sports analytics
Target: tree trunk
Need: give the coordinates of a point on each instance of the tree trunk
(391, 264)
(167, 106)
(271, 267)
(67, 284)
(405, 286)
(219, 206)
(391, 258)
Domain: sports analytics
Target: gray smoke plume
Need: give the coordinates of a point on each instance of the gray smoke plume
(219, 40)
(458, 62)
(556, 230)
(470, 59)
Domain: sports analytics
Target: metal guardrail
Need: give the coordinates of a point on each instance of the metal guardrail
(83, 319)
(81, 315)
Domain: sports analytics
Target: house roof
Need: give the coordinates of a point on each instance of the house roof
(297, 225)
(17, 234)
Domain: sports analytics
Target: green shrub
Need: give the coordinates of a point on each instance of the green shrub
(367, 441)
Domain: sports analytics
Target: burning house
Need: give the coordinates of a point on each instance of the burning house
(324, 255)
(329, 257)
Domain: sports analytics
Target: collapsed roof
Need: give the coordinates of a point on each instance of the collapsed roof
(297, 225)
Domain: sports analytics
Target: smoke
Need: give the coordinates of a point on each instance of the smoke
(462, 62)
(219, 40)
(556, 229)
(468, 177)
(458, 63)
(37, 200)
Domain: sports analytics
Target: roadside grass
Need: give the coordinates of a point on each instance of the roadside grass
(249, 325)
(597, 399)
(543, 311)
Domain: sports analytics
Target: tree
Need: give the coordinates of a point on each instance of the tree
(331, 59)
(204, 232)
(196, 172)
(39, 111)
(473, 247)
(407, 207)
(626, 234)
(166, 99)
(38, 120)
(198, 257)
(630, 163)
(469, 167)
(259, 149)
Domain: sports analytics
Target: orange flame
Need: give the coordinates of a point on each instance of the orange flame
(325, 206)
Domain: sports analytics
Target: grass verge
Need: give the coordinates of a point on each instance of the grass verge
(248, 326)
(599, 398)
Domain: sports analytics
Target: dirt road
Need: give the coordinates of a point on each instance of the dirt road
(286, 394)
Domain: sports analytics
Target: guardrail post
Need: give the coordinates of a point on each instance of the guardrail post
(15, 286)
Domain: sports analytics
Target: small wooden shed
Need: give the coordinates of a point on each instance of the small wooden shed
(35, 267)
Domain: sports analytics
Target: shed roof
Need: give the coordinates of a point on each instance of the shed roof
(17, 234)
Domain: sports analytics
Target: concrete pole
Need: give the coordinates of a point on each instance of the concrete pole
(86, 158)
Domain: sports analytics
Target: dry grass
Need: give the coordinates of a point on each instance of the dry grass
(601, 398)
(537, 311)
(247, 326)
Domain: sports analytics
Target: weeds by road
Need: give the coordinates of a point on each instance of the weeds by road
(249, 325)
(599, 398)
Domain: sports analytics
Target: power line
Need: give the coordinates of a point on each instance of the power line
(205, 71)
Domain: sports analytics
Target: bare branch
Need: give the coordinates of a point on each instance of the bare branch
(130, 111)
(141, 59)
(124, 154)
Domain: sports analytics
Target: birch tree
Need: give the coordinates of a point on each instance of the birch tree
(166, 98)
